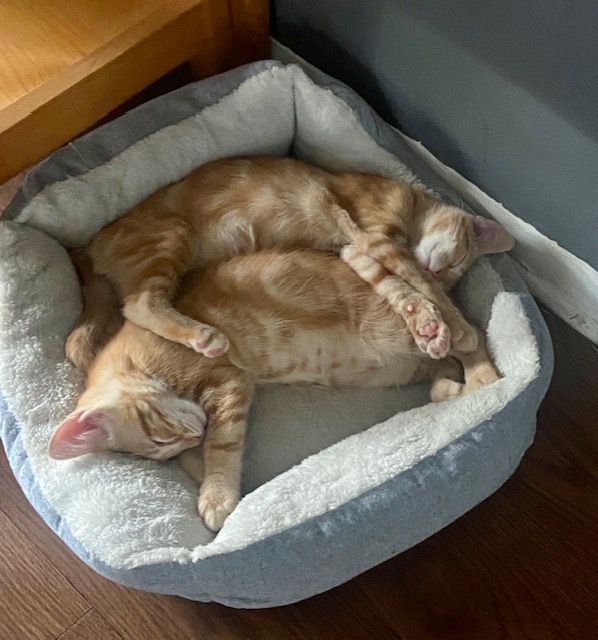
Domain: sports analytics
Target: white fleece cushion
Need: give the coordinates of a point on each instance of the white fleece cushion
(129, 512)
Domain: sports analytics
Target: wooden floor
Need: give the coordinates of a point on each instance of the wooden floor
(522, 565)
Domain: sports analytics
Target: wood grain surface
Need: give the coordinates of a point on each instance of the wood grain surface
(64, 64)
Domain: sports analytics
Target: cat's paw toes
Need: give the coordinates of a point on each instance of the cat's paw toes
(428, 330)
(432, 335)
(483, 375)
(440, 344)
(209, 342)
(215, 505)
(445, 389)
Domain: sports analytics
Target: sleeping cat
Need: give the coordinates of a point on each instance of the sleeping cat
(296, 317)
(238, 206)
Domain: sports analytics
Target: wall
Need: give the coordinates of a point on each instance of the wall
(504, 92)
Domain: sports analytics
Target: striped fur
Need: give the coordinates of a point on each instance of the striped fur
(237, 206)
(292, 317)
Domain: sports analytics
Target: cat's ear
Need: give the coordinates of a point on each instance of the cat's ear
(82, 432)
(490, 237)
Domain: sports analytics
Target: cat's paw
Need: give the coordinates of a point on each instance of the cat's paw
(484, 374)
(215, 504)
(445, 389)
(208, 341)
(81, 346)
(430, 332)
(366, 267)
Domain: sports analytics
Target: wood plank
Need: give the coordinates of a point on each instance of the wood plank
(133, 614)
(91, 626)
(36, 600)
(107, 48)
(69, 29)
(80, 93)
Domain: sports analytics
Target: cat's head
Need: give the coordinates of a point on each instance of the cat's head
(452, 239)
(157, 425)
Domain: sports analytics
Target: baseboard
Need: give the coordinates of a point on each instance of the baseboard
(560, 280)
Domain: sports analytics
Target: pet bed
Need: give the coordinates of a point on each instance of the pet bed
(336, 480)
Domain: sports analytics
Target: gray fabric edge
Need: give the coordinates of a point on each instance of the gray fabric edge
(109, 140)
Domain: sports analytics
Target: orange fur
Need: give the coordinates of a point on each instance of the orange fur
(299, 316)
(237, 206)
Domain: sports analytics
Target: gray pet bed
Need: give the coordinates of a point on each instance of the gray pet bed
(336, 481)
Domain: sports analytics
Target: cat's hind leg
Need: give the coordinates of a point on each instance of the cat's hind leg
(477, 366)
(447, 380)
(100, 318)
(145, 263)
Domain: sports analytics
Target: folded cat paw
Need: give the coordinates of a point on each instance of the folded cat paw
(439, 345)
(208, 341)
(484, 374)
(81, 346)
(445, 389)
(215, 504)
(430, 332)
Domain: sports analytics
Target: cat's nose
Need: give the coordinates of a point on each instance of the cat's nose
(432, 272)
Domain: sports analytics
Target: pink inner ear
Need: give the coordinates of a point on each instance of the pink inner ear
(82, 432)
(491, 237)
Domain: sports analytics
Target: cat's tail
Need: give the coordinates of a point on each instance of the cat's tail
(100, 318)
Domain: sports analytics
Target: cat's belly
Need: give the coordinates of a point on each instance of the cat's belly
(245, 232)
(337, 363)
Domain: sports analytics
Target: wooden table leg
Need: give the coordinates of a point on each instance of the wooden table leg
(245, 39)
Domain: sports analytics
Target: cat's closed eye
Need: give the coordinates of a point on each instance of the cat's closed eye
(459, 262)
(164, 441)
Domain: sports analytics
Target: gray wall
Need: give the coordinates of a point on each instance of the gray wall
(504, 92)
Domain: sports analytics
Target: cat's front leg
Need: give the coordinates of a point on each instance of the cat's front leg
(428, 310)
(401, 263)
(423, 319)
(227, 406)
(477, 366)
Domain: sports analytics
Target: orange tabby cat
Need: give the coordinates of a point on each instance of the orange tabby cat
(242, 205)
(297, 317)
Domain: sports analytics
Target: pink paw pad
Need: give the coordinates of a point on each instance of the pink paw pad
(211, 345)
(215, 352)
(429, 330)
